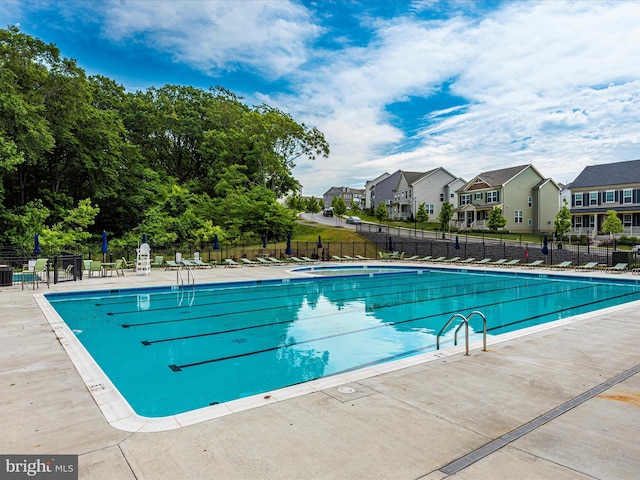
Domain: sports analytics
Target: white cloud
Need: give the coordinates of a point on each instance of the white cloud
(268, 36)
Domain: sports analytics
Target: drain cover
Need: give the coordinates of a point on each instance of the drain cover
(346, 390)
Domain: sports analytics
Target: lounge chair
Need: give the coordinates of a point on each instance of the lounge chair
(251, 263)
(451, 260)
(188, 263)
(618, 268)
(512, 263)
(411, 258)
(229, 262)
(439, 259)
(425, 259)
(537, 263)
(275, 260)
(587, 266)
(310, 260)
(171, 264)
(483, 261)
(158, 262)
(498, 262)
(263, 261)
(340, 259)
(468, 260)
(347, 257)
(562, 265)
(200, 264)
(360, 257)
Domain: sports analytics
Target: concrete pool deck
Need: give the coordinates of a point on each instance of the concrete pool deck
(563, 402)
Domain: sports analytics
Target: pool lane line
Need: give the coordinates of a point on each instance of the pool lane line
(495, 445)
(412, 289)
(178, 368)
(342, 312)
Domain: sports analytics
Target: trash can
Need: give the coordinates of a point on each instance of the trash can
(6, 276)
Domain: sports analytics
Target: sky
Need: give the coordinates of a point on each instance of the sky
(411, 85)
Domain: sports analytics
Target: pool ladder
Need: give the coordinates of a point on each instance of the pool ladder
(190, 277)
(465, 323)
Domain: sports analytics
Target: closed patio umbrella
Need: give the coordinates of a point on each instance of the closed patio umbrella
(36, 244)
(457, 243)
(105, 246)
(288, 251)
(264, 241)
(144, 238)
(390, 245)
(545, 245)
(319, 242)
(216, 245)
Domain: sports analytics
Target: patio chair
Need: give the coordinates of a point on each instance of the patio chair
(587, 266)
(119, 268)
(296, 260)
(127, 265)
(311, 260)
(512, 263)
(468, 260)
(618, 268)
(339, 259)
(229, 262)
(439, 259)
(484, 261)
(264, 261)
(562, 265)
(347, 257)
(412, 258)
(158, 261)
(451, 260)
(498, 262)
(425, 259)
(275, 261)
(95, 266)
(360, 257)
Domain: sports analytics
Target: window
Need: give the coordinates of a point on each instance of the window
(529, 222)
(517, 216)
(578, 199)
(478, 196)
(627, 195)
(453, 195)
(592, 221)
(429, 208)
(465, 199)
(492, 197)
(577, 222)
(442, 197)
(626, 219)
(609, 196)
(530, 202)
(593, 198)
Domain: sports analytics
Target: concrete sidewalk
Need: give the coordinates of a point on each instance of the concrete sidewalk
(408, 424)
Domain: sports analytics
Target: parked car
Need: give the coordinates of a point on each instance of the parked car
(354, 220)
(328, 212)
(636, 249)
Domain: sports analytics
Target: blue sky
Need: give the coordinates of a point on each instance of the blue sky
(412, 85)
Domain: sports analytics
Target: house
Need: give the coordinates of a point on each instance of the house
(349, 195)
(432, 188)
(369, 191)
(528, 200)
(383, 190)
(598, 188)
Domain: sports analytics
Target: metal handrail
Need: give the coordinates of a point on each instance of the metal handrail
(465, 322)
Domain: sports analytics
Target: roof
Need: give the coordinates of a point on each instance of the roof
(495, 178)
(619, 173)
(411, 177)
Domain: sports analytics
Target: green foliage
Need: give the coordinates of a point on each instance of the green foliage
(71, 232)
(496, 220)
(446, 214)
(421, 215)
(355, 207)
(339, 207)
(65, 137)
(296, 203)
(313, 205)
(612, 224)
(381, 212)
(562, 222)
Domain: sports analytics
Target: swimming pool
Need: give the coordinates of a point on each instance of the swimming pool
(220, 342)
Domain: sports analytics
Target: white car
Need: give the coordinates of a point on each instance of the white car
(636, 248)
(354, 220)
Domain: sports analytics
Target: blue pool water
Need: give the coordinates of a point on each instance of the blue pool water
(170, 350)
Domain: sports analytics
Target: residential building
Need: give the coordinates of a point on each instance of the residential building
(599, 188)
(383, 191)
(349, 195)
(528, 200)
(369, 191)
(433, 188)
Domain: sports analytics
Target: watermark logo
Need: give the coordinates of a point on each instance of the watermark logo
(49, 467)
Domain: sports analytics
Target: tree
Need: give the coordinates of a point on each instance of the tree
(313, 205)
(339, 207)
(446, 213)
(612, 224)
(72, 231)
(421, 215)
(562, 222)
(381, 212)
(496, 219)
(355, 207)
